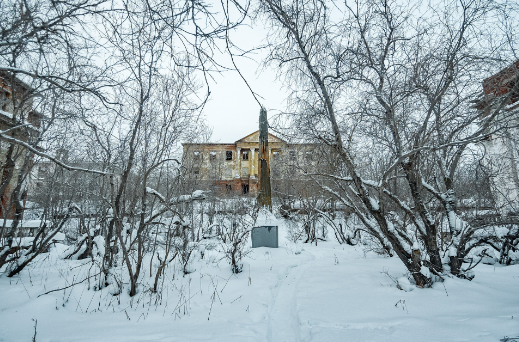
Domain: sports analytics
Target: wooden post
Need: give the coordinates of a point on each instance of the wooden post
(264, 196)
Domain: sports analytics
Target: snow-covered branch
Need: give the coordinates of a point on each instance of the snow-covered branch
(36, 151)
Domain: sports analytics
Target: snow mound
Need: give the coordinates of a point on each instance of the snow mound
(405, 285)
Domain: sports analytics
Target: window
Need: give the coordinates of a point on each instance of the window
(308, 155)
(292, 155)
(212, 155)
(228, 155)
(196, 155)
(196, 171)
(275, 154)
(245, 189)
(3, 100)
(245, 155)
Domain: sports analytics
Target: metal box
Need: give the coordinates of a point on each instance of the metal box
(266, 236)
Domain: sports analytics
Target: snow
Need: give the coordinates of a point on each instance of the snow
(156, 193)
(371, 183)
(455, 221)
(452, 251)
(196, 195)
(328, 292)
(265, 218)
(405, 284)
(374, 203)
(7, 114)
(22, 224)
(59, 237)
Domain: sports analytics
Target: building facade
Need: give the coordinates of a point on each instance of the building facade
(501, 92)
(16, 110)
(234, 167)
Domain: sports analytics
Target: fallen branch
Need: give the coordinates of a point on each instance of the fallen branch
(73, 284)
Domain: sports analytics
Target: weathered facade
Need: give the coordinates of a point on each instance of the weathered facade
(502, 148)
(15, 110)
(234, 167)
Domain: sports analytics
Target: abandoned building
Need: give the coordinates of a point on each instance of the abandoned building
(16, 109)
(501, 92)
(234, 167)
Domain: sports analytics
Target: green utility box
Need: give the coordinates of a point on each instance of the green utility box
(266, 236)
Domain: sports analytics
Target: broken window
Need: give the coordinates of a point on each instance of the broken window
(245, 155)
(212, 155)
(228, 155)
(4, 99)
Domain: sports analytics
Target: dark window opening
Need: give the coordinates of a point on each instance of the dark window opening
(196, 171)
(228, 155)
(212, 155)
(513, 87)
(245, 155)
(228, 187)
(245, 189)
(3, 99)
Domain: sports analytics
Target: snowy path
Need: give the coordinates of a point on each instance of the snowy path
(283, 319)
(328, 292)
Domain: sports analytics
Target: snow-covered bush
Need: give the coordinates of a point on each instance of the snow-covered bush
(235, 220)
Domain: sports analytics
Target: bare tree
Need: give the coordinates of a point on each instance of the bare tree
(235, 220)
(392, 84)
(120, 116)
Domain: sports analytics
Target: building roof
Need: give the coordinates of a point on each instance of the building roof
(250, 138)
(254, 137)
(502, 82)
(8, 80)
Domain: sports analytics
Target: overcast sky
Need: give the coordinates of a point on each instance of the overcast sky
(232, 111)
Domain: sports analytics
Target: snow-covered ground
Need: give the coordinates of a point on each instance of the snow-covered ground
(327, 292)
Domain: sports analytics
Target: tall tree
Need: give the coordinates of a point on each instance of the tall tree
(265, 193)
(393, 83)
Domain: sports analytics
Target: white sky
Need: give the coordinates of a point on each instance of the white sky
(232, 111)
